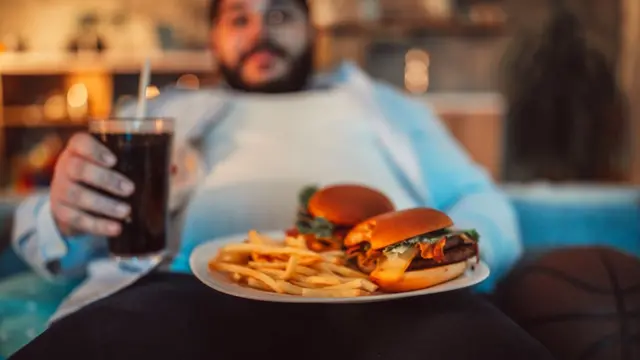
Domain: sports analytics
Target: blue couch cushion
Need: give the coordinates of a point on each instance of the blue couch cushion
(573, 215)
(26, 303)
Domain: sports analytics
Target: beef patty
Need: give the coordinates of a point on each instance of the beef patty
(455, 250)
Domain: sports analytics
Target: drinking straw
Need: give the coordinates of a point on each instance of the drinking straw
(145, 76)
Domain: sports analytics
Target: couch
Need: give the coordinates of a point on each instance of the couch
(550, 217)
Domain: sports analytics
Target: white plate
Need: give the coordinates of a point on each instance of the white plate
(201, 256)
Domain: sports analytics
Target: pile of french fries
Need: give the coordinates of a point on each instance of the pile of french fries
(289, 267)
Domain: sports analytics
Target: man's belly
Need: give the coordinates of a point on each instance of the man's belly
(241, 206)
(266, 152)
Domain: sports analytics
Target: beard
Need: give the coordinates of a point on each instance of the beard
(296, 79)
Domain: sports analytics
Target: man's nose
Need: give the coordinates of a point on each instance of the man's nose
(263, 29)
(254, 30)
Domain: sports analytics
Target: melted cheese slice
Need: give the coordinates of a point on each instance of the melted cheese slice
(392, 267)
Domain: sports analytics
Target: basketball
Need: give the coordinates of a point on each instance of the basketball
(581, 303)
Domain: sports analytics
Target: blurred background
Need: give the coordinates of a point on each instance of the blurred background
(542, 93)
(538, 91)
(535, 90)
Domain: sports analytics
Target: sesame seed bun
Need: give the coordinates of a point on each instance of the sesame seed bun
(394, 227)
(347, 204)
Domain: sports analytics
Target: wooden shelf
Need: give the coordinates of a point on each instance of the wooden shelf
(45, 124)
(41, 64)
(416, 27)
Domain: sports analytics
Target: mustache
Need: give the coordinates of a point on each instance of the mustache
(265, 45)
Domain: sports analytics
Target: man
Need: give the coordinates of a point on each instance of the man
(272, 129)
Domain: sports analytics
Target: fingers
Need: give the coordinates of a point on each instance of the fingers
(69, 201)
(71, 218)
(77, 208)
(80, 170)
(86, 146)
(80, 197)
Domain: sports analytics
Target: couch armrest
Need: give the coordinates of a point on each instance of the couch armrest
(10, 263)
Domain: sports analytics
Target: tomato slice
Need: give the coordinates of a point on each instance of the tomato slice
(293, 232)
(433, 251)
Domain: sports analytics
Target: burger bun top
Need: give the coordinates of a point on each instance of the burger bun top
(348, 204)
(395, 227)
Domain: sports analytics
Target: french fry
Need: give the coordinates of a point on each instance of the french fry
(369, 286)
(345, 271)
(236, 277)
(259, 257)
(302, 270)
(306, 261)
(280, 275)
(259, 239)
(257, 284)
(323, 280)
(267, 265)
(303, 283)
(232, 268)
(334, 253)
(356, 284)
(353, 284)
(270, 250)
(234, 258)
(296, 242)
(333, 275)
(274, 273)
(333, 293)
(322, 267)
(306, 271)
(291, 268)
(290, 288)
(334, 260)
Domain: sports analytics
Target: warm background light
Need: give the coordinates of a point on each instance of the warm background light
(416, 71)
(152, 91)
(77, 101)
(188, 81)
(77, 96)
(55, 108)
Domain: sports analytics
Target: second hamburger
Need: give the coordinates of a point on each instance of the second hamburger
(327, 214)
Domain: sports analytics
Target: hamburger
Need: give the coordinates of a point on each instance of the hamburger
(410, 249)
(326, 215)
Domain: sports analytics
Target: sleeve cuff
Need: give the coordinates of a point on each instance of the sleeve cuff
(64, 257)
(36, 238)
(45, 257)
(40, 244)
(51, 243)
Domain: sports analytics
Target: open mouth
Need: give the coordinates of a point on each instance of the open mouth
(264, 59)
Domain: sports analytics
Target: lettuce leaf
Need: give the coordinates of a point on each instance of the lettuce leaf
(431, 238)
(320, 227)
(305, 195)
(307, 224)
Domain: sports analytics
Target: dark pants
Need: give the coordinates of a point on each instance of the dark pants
(169, 316)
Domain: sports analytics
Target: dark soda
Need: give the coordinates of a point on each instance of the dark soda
(144, 158)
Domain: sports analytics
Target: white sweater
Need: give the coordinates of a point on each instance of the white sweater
(268, 148)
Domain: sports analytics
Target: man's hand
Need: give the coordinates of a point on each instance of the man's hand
(85, 164)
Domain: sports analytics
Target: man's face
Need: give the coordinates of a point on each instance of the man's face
(263, 45)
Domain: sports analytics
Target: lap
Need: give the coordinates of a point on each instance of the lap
(169, 316)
